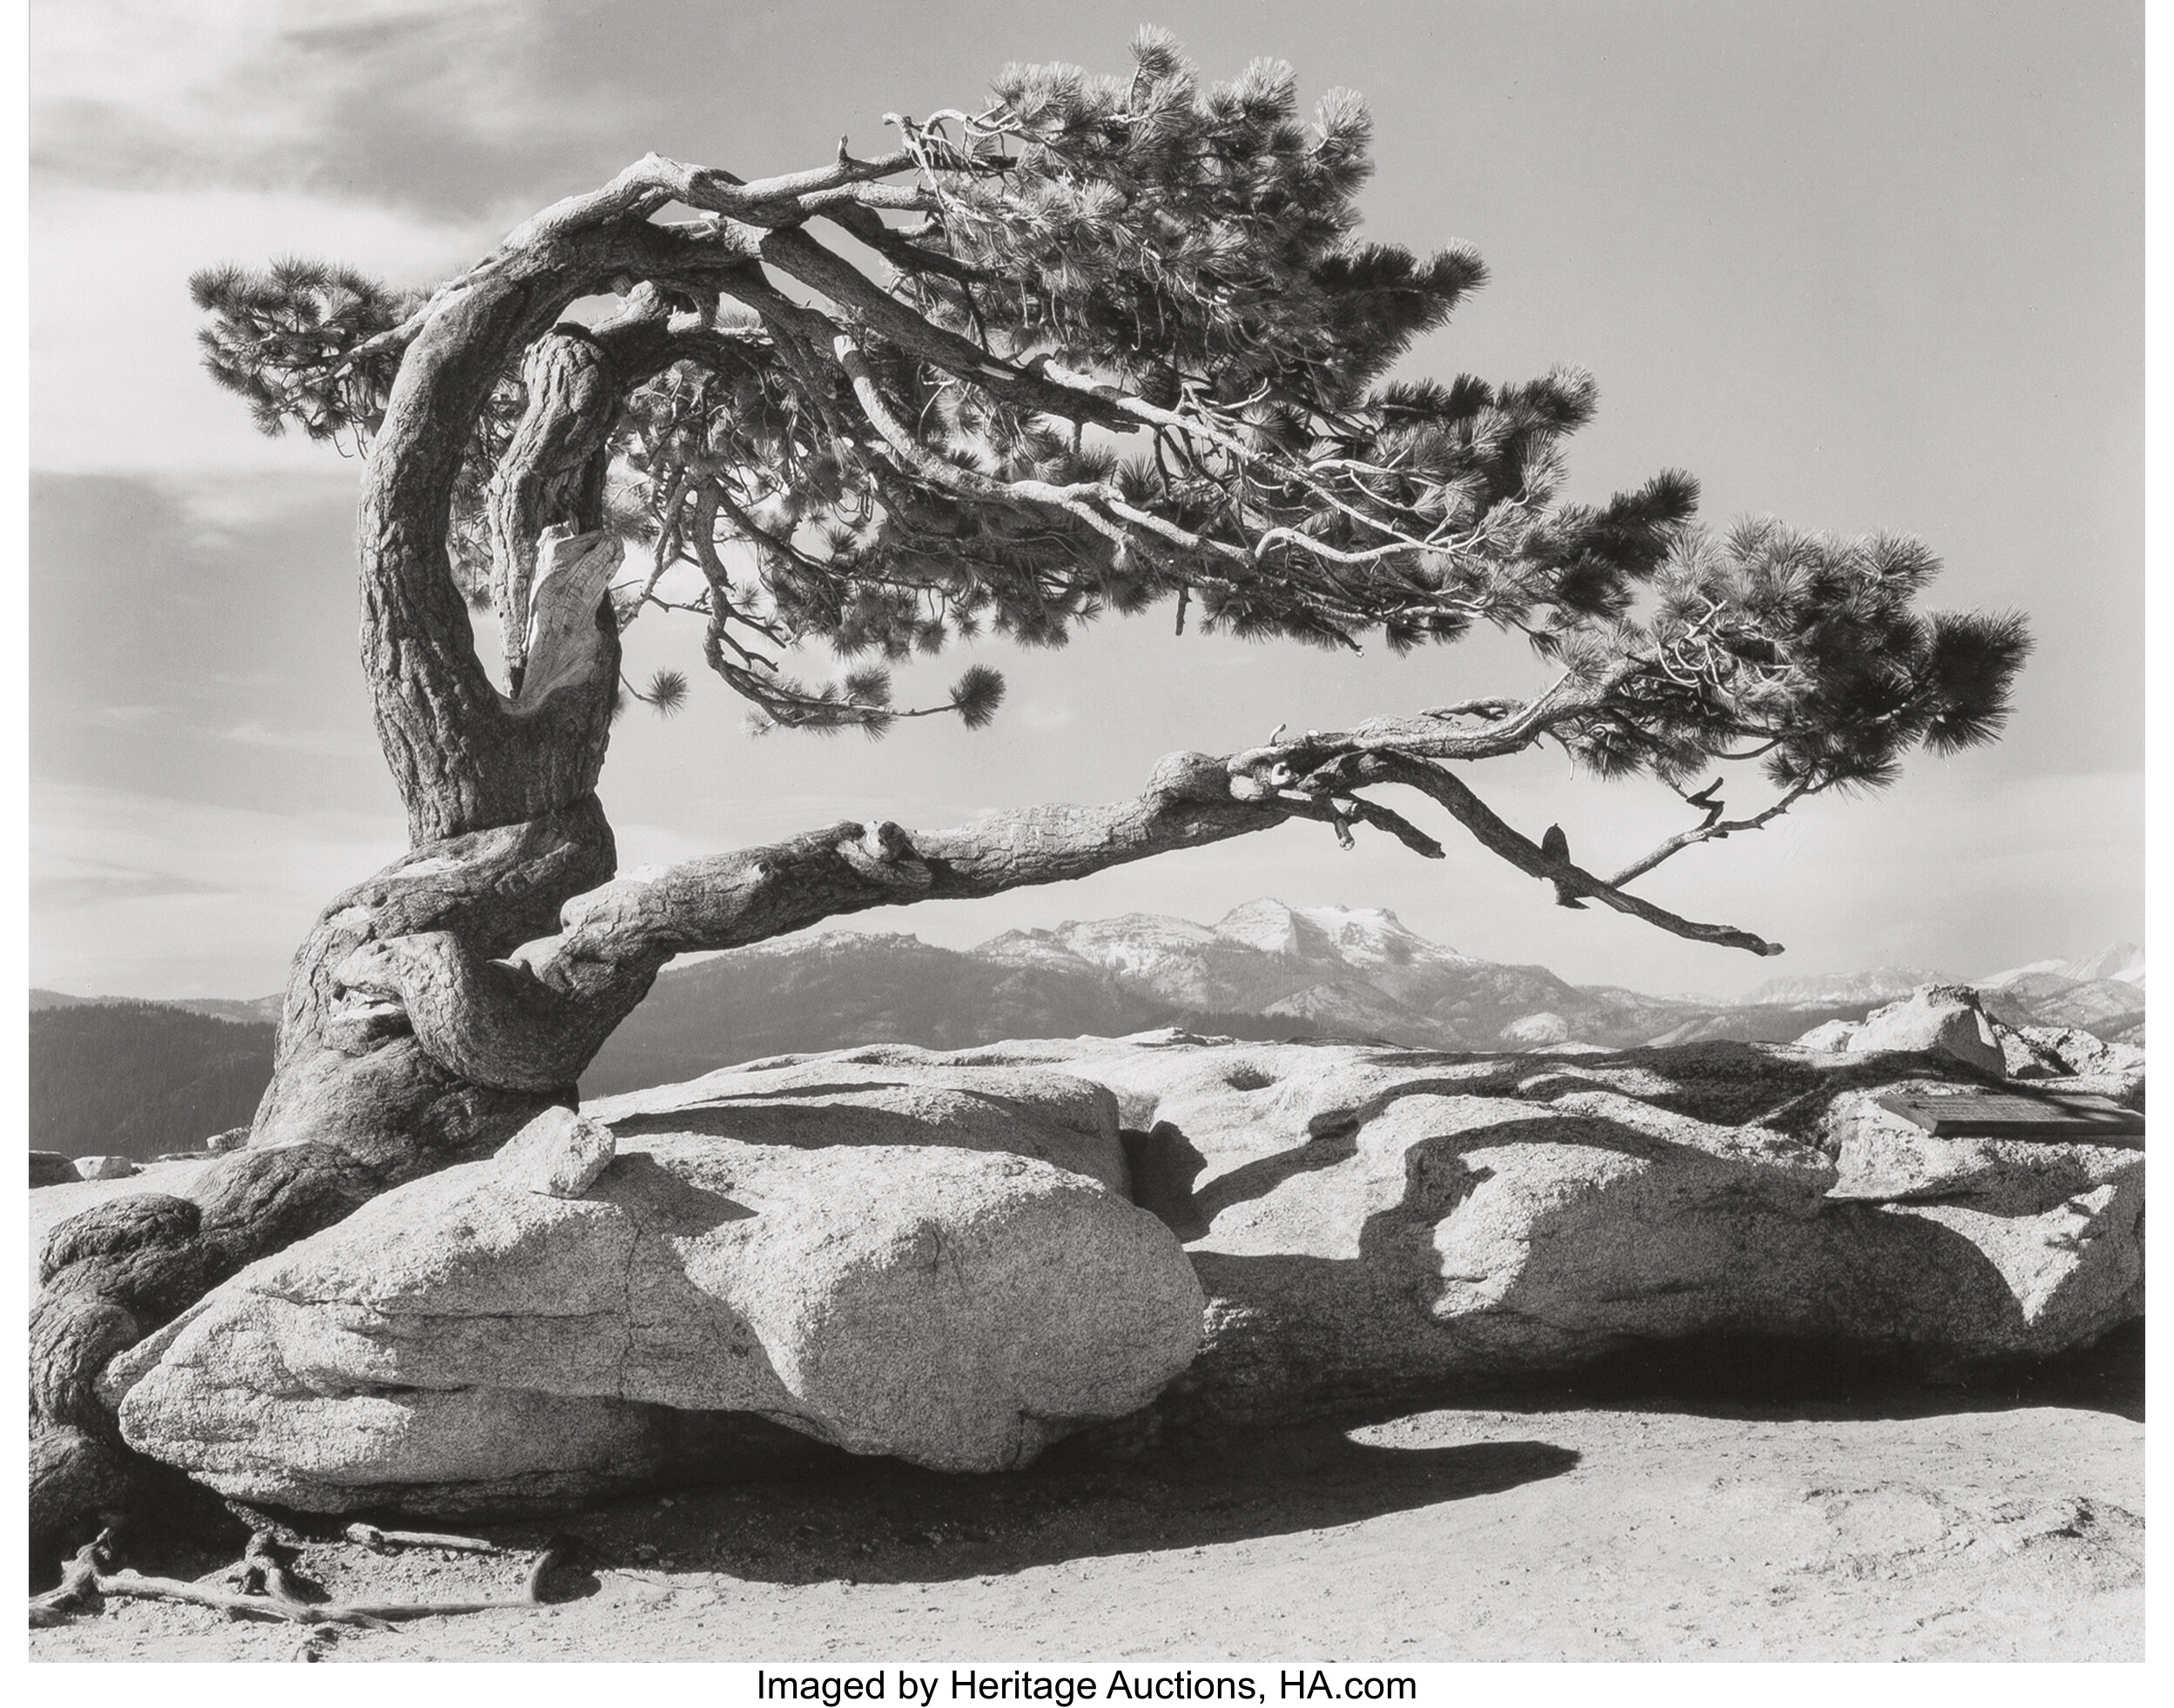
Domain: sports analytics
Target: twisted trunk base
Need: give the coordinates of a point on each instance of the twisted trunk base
(437, 1008)
(355, 1106)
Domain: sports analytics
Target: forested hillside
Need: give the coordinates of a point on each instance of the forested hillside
(138, 1079)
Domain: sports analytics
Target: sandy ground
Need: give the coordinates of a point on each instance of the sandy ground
(1897, 1523)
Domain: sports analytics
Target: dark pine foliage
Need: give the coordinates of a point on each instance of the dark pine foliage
(286, 340)
(1186, 259)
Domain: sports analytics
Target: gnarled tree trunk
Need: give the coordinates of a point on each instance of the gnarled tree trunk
(506, 828)
(437, 1007)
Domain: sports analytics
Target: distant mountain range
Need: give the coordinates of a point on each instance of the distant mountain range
(2123, 962)
(1264, 969)
(258, 1010)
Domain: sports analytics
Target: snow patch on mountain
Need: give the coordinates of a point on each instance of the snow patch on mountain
(1534, 1029)
(1356, 936)
(2122, 961)
(1351, 1010)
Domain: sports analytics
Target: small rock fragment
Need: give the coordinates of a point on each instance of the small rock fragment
(103, 1168)
(560, 1153)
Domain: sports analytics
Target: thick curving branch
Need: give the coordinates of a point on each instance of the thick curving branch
(532, 1020)
(799, 256)
(654, 181)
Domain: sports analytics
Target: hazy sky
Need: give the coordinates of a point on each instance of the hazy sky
(1861, 265)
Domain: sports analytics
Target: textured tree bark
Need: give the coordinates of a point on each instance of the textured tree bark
(349, 1069)
(437, 1007)
(505, 829)
(552, 472)
(356, 1104)
(464, 756)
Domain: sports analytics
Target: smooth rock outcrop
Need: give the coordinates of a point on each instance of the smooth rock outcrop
(51, 1168)
(900, 1251)
(890, 1094)
(560, 1153)
(1943, 1019)
(103, 1168)
(1375, 1221)
(1830, 1039)
(2060, 1224)
(851, 1271)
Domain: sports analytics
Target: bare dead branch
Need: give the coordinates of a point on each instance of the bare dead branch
(379, 1542)
(1497, 837)
(278, 1596)
(1714, 829)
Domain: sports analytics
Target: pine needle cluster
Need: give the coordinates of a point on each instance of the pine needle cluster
(286, 340)
(1803, 651)
(1130, 348)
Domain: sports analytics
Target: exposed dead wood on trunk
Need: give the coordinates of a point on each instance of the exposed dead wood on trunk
(435, 1008)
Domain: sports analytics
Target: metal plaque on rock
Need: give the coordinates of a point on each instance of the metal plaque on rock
(2079, 1117)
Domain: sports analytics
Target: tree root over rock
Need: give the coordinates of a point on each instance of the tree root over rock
(269, 1589)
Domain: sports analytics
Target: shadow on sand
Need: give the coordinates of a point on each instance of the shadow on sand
(826, 1516)
(880, 1522)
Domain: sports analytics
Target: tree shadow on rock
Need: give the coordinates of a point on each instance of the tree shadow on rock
(1731, 1083)
(664, 1203)
(790, 1115)
(1702, 1281)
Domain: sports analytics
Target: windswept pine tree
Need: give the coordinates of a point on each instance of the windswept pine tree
(1097, 345)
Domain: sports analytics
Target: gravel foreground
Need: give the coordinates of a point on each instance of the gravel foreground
(2003, 1522)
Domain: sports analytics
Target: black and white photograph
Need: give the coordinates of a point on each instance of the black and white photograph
(1005, 853)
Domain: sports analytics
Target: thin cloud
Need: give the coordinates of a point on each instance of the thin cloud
(446, 109)
(92, 883)
(149, 895)
(110, 304)
(298, 741)
(125, 717)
